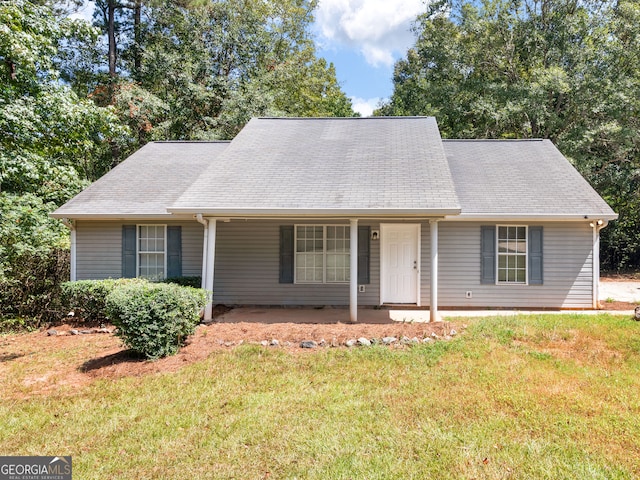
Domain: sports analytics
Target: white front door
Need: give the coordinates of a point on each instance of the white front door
(400, 263)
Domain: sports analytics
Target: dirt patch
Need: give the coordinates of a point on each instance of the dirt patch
(617, 306)
(36, 363)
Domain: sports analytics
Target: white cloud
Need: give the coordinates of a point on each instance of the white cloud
(365, 107)
(378, 28)
(84, 12)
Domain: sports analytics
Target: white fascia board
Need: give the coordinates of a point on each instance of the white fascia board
(526, 217)
(315, 212)
(119, 216)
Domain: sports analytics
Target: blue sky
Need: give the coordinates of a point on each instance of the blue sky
(363, 39)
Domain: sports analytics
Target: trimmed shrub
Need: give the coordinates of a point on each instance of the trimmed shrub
(154, 319)
(194, 282)
(87, 298)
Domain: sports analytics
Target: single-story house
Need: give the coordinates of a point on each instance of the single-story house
(348, 211)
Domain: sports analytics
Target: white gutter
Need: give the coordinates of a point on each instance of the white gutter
(596, 225)
(72, 227)
(310, 212)
(204, 222)
(524, 217)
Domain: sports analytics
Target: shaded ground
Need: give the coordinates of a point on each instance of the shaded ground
(70, 361)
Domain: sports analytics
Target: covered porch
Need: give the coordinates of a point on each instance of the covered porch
(394, 260)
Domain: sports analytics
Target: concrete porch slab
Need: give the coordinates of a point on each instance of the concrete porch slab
(328, 315)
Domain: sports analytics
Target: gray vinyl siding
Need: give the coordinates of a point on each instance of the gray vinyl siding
(567, 269)
(247, 269)
(99, 248)
(247, 265)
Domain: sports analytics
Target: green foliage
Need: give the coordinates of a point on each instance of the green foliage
(87, 298)
(564, 70)
(155, 319)
(34, 258)
(194, 282)
(201, 70)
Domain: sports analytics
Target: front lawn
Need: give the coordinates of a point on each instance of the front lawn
(551, 396)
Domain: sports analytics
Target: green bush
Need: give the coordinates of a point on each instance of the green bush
(154, 319)
(194, 282)
(87, 298)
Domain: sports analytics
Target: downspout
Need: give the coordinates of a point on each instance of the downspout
(72, 227)
(204, 222)
(596, 225)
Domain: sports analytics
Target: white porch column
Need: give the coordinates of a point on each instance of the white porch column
(433, 303)
(72, 273)
(210, 253)
(71, 225)
(353, 272)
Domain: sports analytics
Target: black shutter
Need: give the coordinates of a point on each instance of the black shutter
(129, 251)
(174, 251)
(286, 253)
(364, 236)
(535, 256)
(488, 254)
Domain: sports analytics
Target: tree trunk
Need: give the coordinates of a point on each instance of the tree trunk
(111, 33)
(137, 36)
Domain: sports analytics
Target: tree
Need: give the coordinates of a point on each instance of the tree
(51, 143)
(567, 70)
(192, 69)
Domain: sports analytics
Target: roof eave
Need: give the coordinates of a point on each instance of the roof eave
(317, 212)
(117, 216)
(523, 217)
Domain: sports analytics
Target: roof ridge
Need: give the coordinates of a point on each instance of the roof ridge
(345, 118)
(514, 140)
(191, 141)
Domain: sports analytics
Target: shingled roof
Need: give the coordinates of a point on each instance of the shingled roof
(145, 183)
(385, 166)
(520, 178)
(288, 166)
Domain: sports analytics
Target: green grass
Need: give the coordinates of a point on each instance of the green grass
(540, 397)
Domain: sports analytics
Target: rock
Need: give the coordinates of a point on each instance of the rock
(322, 342)
(103, 330)
(274, 343)
(636, 313)
(308, 344)
(453, 333)
(74, 332)
(87, 332)
(264, 343)
(350, 343)
(434, 335)
(286, 344)
(427, 340)
(389, 340)
(365, 342)
(229, 344)
(405, 340)
(52, 332)
(415, 340)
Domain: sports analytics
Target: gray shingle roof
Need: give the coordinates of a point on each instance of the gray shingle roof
(520, 178)
(328, 165)
(145, 183)
(366, 166)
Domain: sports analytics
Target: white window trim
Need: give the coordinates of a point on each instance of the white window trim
(324, 252)
(526, 255)
(138, 252)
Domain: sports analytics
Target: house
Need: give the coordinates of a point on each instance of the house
(348, 211)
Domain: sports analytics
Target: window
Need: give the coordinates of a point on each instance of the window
(151, 252)
(512, 254)
(322, 253)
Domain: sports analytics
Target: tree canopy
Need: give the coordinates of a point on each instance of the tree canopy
(567, 70)
(76, 98)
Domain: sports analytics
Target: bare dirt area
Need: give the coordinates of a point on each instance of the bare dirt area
(38, 363)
